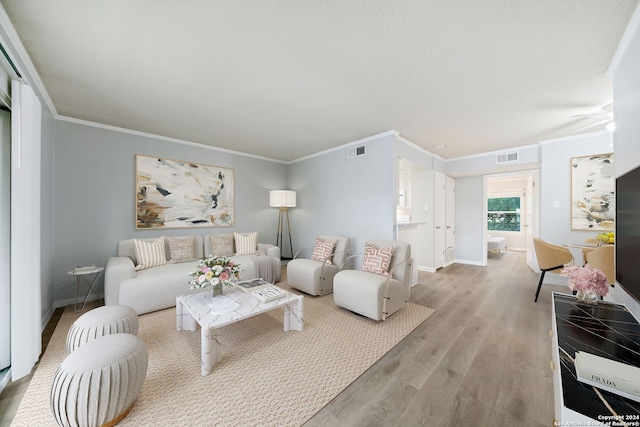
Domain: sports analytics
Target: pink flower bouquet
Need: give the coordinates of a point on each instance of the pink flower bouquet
(213, 271)
(587, 280)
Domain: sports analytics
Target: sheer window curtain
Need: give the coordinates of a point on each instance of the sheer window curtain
(26, 340)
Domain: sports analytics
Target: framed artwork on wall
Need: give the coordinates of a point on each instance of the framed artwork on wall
(182, 194)
(593, 193)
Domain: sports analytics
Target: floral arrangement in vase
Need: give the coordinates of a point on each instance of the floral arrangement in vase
(216, 272)
(588, 283)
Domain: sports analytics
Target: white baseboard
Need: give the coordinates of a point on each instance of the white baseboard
(468, 262)
(5, 377)
(64, 303)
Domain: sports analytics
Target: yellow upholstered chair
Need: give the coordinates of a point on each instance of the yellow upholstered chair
(550, 258)
(602, 259)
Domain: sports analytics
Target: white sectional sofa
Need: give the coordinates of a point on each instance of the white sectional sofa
(156, 288)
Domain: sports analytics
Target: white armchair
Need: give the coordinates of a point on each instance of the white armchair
(315, 276)
(375, 295)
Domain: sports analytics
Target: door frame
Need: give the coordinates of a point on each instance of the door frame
(532, 217)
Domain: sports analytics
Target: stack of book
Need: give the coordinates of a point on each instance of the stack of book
(269, 294)
(253, 285)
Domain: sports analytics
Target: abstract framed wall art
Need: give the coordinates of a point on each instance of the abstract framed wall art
(182, 194)
(593, 200)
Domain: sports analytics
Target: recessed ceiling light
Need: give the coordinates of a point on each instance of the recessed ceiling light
(440, 146)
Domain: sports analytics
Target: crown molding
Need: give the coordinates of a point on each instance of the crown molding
(162, 138)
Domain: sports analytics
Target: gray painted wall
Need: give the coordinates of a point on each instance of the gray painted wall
(553, 159)
(555, 184)
(47, 203)
(351, 197)
(469, 198)
(486, 163)
(94, 200)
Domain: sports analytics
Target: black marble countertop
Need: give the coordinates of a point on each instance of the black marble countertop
(606, 330)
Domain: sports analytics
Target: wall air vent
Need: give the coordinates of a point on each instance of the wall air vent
(356, 151)
(507, 157)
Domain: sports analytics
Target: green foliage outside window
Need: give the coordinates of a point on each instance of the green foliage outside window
(503, 213)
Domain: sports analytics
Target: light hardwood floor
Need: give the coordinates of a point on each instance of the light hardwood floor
(482, 359)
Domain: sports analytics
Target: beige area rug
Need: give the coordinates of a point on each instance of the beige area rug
(266, 377)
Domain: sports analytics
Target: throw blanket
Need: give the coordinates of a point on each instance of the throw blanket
(264, 267)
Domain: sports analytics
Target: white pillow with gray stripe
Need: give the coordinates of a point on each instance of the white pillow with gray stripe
(149, 253)
(246, 243)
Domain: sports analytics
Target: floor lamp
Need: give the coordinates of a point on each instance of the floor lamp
(283, 199)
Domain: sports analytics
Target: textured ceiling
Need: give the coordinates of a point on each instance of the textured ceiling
(285, 79)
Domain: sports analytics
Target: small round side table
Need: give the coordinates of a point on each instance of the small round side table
(84, 275)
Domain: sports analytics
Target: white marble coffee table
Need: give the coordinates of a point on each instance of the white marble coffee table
(196, 309)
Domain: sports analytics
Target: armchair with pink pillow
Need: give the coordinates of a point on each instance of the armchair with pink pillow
(382, 285)
(314, 274)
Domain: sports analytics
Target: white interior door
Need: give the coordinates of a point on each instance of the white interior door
(440, 212)
(450, 218)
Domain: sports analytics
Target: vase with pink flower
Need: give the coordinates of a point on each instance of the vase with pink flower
(589, 284)
(216, 272)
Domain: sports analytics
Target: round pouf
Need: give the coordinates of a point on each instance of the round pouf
(97, 384)
(101, 321)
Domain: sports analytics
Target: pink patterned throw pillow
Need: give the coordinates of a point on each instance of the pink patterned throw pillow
(377, 260)
(323, 250)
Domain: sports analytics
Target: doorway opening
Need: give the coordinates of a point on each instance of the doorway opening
(512, 211)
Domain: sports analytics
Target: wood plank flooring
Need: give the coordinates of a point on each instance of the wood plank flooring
(482, 359)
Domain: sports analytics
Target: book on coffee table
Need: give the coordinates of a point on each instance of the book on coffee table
(269, 294)
(253, 285)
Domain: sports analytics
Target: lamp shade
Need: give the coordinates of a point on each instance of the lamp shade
(280, 198)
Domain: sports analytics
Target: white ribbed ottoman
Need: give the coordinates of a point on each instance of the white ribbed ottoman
(101, 321)
(98, 383)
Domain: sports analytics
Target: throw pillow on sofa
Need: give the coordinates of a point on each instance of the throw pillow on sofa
(377, 260)
(221, 244)
(323, 250)
(182, 249)
(246, 243)
(149, 253)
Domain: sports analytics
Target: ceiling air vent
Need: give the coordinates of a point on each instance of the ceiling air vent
(507, 157)
(356, 151)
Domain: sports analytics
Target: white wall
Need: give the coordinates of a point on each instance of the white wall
(421, 235)
(626, 96)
